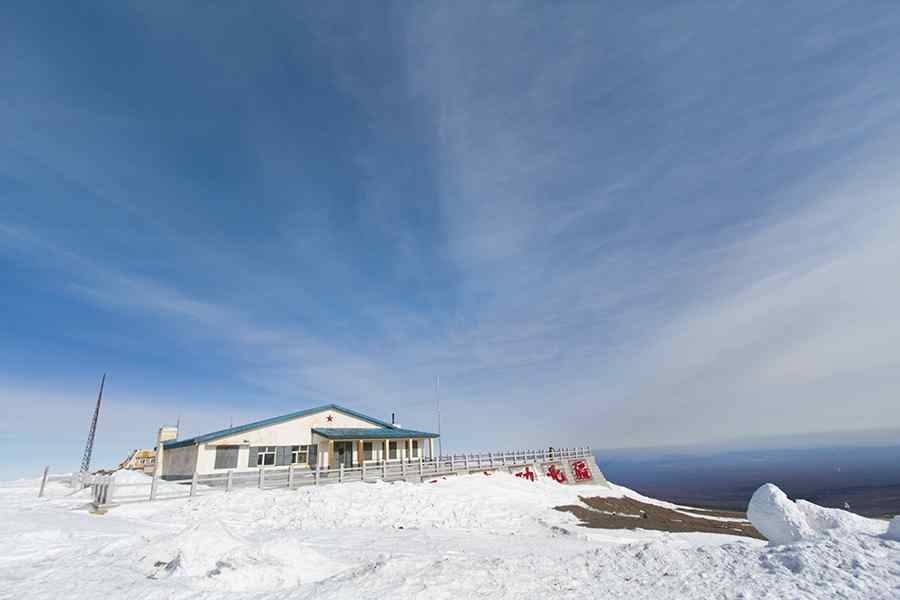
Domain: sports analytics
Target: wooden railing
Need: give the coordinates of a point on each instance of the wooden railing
(107, 492)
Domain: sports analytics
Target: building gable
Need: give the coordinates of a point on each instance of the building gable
(294, 426)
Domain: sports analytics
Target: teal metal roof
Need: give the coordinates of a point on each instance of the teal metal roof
(363, 433)
(271, 421)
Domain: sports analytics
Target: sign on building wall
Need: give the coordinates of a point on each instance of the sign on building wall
(553, 471)
(580, 471)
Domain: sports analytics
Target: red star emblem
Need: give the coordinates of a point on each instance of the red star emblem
(329, 418)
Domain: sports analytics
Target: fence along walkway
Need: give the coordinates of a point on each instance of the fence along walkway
(107, 492)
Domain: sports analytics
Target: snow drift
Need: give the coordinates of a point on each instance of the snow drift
(775, 516)
(463, 537)
(783, 521)
(893, 532)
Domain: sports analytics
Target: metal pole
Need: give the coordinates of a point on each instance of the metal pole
(89, 446)
(43, 481)
(194, 484)
(228, 482)
(290, 476)
(437, 393)
(158, 468)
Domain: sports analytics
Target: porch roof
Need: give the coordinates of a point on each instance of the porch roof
(363, 433)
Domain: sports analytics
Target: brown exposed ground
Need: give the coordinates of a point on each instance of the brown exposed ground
(628, 513)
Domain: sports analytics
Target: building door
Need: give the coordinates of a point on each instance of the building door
(344, 454)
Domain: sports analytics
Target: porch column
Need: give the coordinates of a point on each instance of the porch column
(386, 451)
(359, 452)
(330, 458)
(407, 448)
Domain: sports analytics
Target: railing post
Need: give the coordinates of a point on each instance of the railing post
(110, 490)
(403, 467)
(291, 476)
(341, 474)
(194, 484)
(384, 470)
(364, 470)
(228, 481)
(261, 478)
(421, 461)
(467, 463)
(318, 473)
(43, 481)
(153, 486)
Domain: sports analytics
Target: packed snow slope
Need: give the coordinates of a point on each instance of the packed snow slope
(462, 537)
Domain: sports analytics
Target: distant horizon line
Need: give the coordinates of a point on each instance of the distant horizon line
(875, 437)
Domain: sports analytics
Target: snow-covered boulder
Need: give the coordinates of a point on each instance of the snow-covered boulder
(893, 532)
(775, 516)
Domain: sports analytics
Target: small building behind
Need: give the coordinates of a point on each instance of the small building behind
(145, 460)
(326, 436)
(140, 460)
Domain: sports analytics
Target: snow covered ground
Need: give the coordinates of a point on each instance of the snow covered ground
(463, 537)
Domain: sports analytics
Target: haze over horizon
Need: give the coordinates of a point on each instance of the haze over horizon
(598, 224)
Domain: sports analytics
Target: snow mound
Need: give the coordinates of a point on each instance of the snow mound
(209, 555)
(192, 552)
(778, 518)
(783, 521)
(823, 519)
(893, 532)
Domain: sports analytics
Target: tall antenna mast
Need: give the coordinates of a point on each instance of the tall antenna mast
(437, 395)
(89, 447)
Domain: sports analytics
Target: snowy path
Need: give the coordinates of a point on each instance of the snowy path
(465, 537)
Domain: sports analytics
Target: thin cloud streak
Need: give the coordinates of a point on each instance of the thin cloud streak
(628, 227)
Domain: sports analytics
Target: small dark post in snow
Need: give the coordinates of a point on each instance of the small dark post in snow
(43, 481)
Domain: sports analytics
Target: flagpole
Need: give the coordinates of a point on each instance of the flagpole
(437, 397)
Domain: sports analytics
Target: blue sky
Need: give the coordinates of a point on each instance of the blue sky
(597, 223)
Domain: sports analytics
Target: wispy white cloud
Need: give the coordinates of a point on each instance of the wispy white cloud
(642, 228)
(650, 323)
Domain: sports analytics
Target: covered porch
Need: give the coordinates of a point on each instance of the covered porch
(355, 446)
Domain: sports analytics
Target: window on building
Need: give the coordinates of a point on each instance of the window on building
(265, 456)
(313, 454)
(367, 450)
(226, 457)
(392, 450)
(303, 455)
(415, 448)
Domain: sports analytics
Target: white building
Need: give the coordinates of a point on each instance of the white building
(325, 436)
